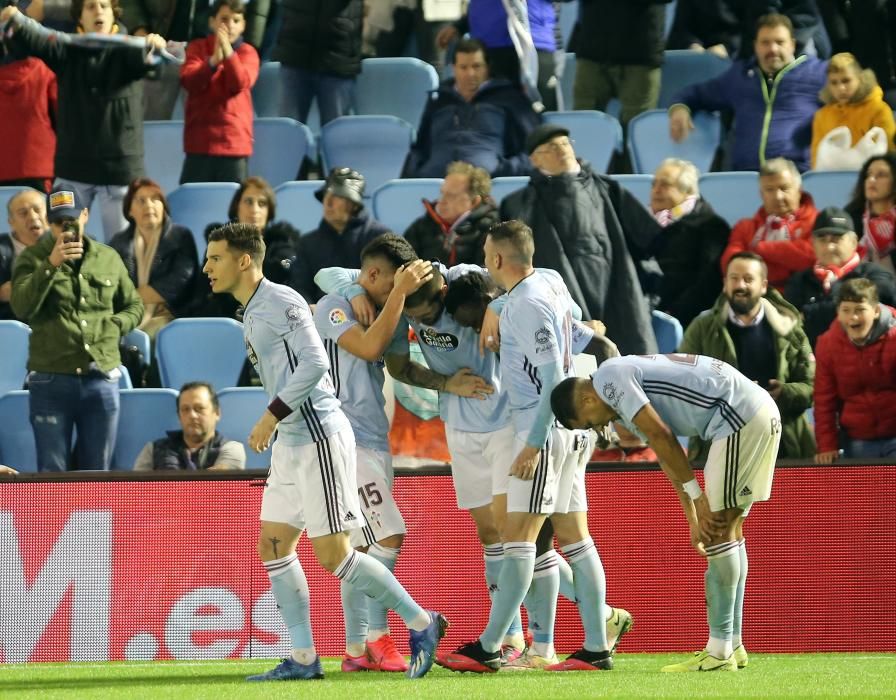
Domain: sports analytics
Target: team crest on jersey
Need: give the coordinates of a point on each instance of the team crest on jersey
(544, 340)
(444, 342)
(294, 315)
(337, 317)
(250, 352)
(612, 395)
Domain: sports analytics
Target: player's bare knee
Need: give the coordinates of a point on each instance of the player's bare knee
(486, 527)
(570, 527)
(331, 550)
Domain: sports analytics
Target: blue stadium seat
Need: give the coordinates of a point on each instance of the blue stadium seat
(140, 340)
(266, 91)
(241, 407)
(638, 184)
(145, 415)
(7, 192)
(197, 204)
(568, 80)
(668, 331)
(682, 68)
(200, 349)
(376, 146)
(566, 18)
(396, 86)
(831, 188)
(649, 142)
(398, 203)
(280, 147)
(597, 135)
(124, 381)
(16, 438)
(163, 147)
(503, 186)
(14, 343)
(734, 195)
(297, 205)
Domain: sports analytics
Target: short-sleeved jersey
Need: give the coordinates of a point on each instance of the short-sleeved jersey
(695, 395)
(358, 383)
(288, 355)
(537, 328)
(448, 347)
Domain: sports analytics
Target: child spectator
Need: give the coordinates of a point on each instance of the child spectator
(218, 75)
(874, 204)
(855, 122)
(855, 377)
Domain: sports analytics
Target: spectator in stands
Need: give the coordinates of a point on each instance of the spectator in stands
(319, 49)
(27, 216)
(583, 224)
(160, 256)
(705, 25)
(76, 295)
(691, 244)
(752, 328)
(773, 95)
(198, 444)
(855, 387)
(27, 114)
(874, 204)
(390, 24)
(453, 228)
(855, 122)
(486, 21)
(344, 230)
(813, 291)
(474, 119)
(780, 230)
(613, 63)
(218, 75)
(808, 27)
(100, 127)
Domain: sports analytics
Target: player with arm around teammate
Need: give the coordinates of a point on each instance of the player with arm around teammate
(311, 485)
(390, 270)
(661, 396)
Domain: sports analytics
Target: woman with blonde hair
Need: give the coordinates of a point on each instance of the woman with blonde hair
(855, 122)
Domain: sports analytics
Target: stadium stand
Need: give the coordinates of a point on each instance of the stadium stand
(682, 68)
(396, 86)
(733, 195)
(14, 337)
(297, 205)
(649, 142)
(197, 204)
(145, 415)
(241, 408)
(668, 331)
(597, 135)
(16, 438)
(830, 188)
(200, 349)
(281, 145)
(163, 145)
(398, 203)
(639, 184)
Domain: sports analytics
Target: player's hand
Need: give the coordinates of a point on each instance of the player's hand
(710, 525)
(695, 540)
(468, 385)
(446, 35)
(597, 326)
(489, 334)
(526, 463)
(260, 437)
(827, 457)
(64, 251)
(680, 124)
(363, 309)
(410, 277)
(7, 13)
(775, 388)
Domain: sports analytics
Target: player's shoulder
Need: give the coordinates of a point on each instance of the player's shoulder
(278, 304)
(333, 312)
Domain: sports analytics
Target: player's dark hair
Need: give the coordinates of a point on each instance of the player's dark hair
(78, 7)
(430, 290)
(518, 236)
(258, 183)
(563, 400)
(468, 45)
(189, 386)
(472, 288)
(243, 238)
(390, 247)
(858, 290)
(237, 7)
(749, 255)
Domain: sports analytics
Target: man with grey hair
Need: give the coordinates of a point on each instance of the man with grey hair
(27, 216)
(781, 230)
(691, 244)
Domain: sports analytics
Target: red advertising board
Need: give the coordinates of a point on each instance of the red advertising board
(167, 569)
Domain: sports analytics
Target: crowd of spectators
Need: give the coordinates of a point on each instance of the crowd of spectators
(761, 295)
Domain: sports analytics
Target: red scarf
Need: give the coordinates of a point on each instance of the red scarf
(827, 275)
(776, 228)
(450, 237)
(878, 231)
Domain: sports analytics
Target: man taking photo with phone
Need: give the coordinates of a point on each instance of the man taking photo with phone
(76, 295)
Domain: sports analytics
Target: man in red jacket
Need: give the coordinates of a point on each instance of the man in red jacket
(218, 75)
(781, 231)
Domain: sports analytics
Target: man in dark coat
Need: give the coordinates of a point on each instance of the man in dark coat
(584, 224)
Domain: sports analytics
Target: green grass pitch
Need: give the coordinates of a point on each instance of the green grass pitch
(635, 676)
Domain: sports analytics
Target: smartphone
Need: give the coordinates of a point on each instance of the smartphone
(71, 232)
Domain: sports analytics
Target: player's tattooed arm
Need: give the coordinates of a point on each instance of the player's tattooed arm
(405, 370)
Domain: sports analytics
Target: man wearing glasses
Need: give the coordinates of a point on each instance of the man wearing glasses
(587, 227)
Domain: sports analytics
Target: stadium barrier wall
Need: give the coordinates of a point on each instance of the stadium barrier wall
(140, 566)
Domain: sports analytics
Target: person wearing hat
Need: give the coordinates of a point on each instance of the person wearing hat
(474, 119)
(27, 216)
(813, 291)
(76, 295)
(346, 227)
(587, 227)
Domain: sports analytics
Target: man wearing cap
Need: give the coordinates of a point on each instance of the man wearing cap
(27, 215)
(473, 119)
(76, 295)
(587, 227)
(813, 291)
(344, 230)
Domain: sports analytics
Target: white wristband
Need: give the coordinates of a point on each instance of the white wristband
(692, 489)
